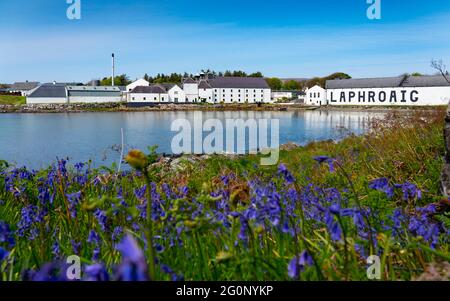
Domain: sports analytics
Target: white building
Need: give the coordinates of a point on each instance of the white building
(62, 93)
(282, 95)
(137, 83)
(157, 93)
(389, 91)
(24, 88)
(316, 96)
(215, 90)
(190, 88)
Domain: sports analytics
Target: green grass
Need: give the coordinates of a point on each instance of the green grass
(403, 148)
(12, 100)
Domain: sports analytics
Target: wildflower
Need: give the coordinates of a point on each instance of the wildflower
(174, 276)
(382, 184)
(55, 249)
(93, 237)
(96, 254)
(116, 233)
(282, 169)
(3, 254)
(335, 231)
(102, 219)
(74, 200)
(6, 235)
(133, 266)
(298, 264)
(76, 247)
(324, 159)
(96, 272)
(137, 159)
(409, 190)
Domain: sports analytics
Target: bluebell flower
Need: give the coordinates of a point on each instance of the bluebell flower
(116, 233)
(298, 264)
(93, 238)
(76, 246)
(288, 177)
(3, 254)
(382, 184)
(6, 235)
(133, 266)
(96, 272)
(410, 191)
(74, 199)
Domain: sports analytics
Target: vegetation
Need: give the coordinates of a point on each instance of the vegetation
(317, 215)
(120, 80)
(12, 99)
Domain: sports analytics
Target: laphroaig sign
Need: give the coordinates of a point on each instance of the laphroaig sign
(390, 96)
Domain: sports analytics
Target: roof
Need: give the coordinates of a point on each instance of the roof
(93, 88)
(153, 89)
(168, 86)
(385, 82)
(204, 85)
(23, 86)
(49, 90)
(188, 81)
(239, 82)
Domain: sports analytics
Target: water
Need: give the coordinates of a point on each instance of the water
(36, 140)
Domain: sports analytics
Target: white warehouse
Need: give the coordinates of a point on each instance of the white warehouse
(389, 91)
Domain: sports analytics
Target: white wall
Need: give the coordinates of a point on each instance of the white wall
(241, 95)
(399, 96)
(191, 91)
(94, 99)
(176, 94)
(139, 82)
(148, 97)
(44, 100)
(206, 94)
(316, 96)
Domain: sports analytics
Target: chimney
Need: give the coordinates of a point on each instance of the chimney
(113, 66)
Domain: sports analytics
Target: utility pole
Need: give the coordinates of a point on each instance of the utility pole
(113, 66)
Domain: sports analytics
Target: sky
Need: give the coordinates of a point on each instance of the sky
(289, 38)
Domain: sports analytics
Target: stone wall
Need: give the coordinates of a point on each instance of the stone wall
(445, 177)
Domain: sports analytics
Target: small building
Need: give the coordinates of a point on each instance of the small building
(137, 83)
(93, 94)
(62, 93)
(240, 90)
(190, 88)
(157, 93)
(24, 88)
(48, 93)
(316, 96)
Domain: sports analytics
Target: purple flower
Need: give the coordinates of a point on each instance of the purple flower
(3, 254)
(410, 191)
(133, 266)
(282, 170)
(335, 231)
(96, 272)
(74, 200)
(298, 264)
(93, 237)
(382, 184)
(326, 159)
(6, 235)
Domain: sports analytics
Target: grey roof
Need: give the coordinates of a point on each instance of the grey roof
(94, 88)
(156, 89)
(167, 86)
(204, 85)
(426, 81)
(385, 82)
(188, 81)
(49, 90)
(239, 82)
(23, 86)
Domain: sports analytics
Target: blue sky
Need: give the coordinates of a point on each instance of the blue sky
(289, 38)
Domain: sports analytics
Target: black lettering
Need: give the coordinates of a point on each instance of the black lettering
(362, 96)
(342, 97)
(393, 97)
(382, 96)
(414, 99)
(351, 95)
(403, 96)
(331, 98)
(371, 96)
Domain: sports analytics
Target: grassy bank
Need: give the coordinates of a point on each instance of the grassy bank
(317, 215)
(12, 100)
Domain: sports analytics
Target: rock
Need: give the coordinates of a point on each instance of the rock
(289, 146)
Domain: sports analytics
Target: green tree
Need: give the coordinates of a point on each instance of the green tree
(256, 74)
(274, 83)
(292, 85)
(120, 80)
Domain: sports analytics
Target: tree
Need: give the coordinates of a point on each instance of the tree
(120, 80)
(439, 66)
(292, 85)
(146, 77)
(416, 74)
(256, 74)
(274, 83)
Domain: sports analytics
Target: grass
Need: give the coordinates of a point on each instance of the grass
(12, 100)
(231, 219)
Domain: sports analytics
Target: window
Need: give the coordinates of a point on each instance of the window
(132, 98)
(318, 94)
(176, 92)
(176, 99)
(145, 98)
(239, 90)
(155, 98)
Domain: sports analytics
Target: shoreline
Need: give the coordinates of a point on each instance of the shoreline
(122, 107)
